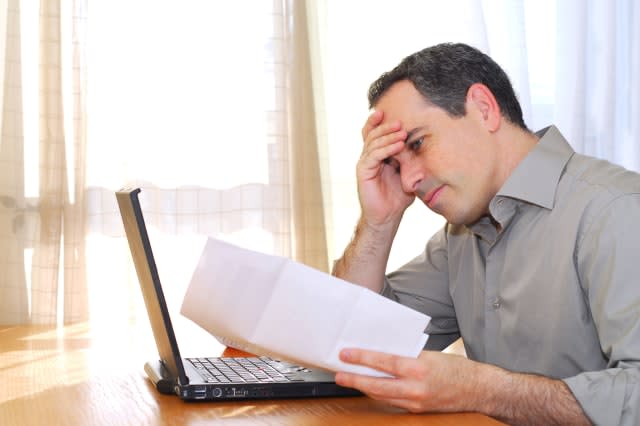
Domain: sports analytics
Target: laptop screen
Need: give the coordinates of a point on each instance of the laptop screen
(145, 265)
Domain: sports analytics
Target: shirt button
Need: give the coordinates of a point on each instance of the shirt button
(496, 304)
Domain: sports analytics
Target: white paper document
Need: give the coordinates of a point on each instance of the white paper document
(271, 305)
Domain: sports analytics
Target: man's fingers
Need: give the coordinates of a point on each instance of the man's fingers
(387, 363)
(380, 142)
(395, 391)
(387, 131)
(374, 119)
(376, 387)
(374, 128)
(372, 158)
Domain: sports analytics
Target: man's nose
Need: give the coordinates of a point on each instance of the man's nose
(411, 177)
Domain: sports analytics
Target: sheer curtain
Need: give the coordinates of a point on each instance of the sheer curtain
(202, 104)
(597, 101)
(42, 227)
(208, 111)
(241, 120)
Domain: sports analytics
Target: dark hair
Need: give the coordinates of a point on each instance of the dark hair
(443, 74)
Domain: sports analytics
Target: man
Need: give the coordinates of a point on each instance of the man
(535, 267)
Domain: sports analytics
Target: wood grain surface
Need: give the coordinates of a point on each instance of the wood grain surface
(79, 375)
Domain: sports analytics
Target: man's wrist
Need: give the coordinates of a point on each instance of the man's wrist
(522, 398)
(479, 383)
(365, 257)
(489, 388)
(378, 232)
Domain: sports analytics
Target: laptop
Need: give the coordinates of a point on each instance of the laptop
(209, 378)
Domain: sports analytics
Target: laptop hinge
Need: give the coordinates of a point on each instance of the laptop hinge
(160, 377)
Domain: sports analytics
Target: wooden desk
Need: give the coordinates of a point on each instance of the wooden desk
(73, 376)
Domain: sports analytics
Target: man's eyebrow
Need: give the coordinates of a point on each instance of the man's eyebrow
(413, 131)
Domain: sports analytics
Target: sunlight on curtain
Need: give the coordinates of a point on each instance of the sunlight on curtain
(178, 94)
(192, 101)
(186, 100)
(42, 166)
(14, 297)
(597, 102)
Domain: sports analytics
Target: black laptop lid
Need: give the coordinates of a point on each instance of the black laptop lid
(145, 265)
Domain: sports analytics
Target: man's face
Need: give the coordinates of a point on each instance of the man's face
(449, 163)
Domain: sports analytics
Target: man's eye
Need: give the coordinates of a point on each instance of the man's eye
(391, 162)
(415, 145)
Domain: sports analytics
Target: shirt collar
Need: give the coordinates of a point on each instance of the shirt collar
(536, 178)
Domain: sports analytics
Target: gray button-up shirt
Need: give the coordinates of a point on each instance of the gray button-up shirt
(556, 291)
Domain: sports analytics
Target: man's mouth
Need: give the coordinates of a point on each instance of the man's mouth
(429, 197)
(432, 197)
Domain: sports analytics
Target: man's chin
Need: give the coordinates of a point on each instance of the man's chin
(437, 209)
(456, 218)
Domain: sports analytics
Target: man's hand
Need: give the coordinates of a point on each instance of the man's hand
(382, 201)
(434, 382)
(439, 382)
(381, 196)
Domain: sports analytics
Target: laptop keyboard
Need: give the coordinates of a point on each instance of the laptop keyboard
(247, 370)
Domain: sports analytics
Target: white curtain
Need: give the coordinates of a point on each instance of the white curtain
(42, 227)
(597, 102)
(205, 105)
(241, 120)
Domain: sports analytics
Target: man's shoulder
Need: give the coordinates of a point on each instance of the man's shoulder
(585, 175)
(590, 188)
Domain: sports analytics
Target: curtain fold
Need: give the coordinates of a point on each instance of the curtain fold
(598, 78)
(58, 255)
(309, 231)
(52, 169)
(76, 288)
(46, 232)
(14, 300)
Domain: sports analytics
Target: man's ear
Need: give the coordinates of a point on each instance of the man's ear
(480, 98)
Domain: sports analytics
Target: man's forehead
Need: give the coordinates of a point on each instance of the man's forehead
(411, 121)
(408, 107)
(405, 92)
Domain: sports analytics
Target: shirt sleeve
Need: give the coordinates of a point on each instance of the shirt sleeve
(607, 259)
(423, 285)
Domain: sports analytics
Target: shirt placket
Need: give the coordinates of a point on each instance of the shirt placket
(494, 259)
(492, 303)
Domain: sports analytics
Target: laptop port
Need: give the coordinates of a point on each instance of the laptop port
(200, 392)
(238, 393)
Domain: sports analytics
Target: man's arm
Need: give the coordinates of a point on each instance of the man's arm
(382, 201)
(607, 259)
(439, 382)
(517, 398)
(365, 259)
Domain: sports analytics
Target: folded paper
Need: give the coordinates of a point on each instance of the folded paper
(271, 305)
